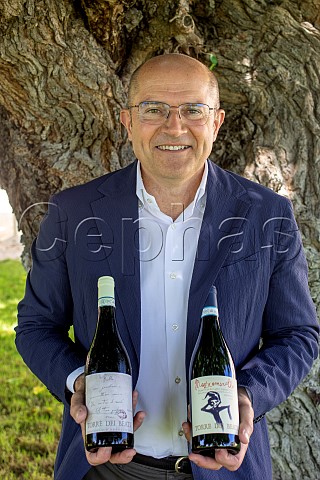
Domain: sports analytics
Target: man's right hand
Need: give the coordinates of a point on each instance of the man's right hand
(79, 413)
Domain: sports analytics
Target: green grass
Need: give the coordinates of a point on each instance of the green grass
(30, 417)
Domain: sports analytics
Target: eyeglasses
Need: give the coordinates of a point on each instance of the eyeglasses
(156, 113)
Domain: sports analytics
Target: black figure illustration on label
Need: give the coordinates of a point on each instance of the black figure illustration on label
(213, 406)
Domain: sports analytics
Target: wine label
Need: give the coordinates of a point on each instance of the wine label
(109, 403)
(209, 311)
(214, 405)
(106, 302)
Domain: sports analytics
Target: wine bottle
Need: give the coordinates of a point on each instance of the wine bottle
(108, 380)
(213, 385)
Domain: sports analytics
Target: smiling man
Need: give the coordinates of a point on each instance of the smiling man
(167, 228)
(173, 120)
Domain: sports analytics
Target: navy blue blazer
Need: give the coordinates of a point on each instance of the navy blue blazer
(249, 247)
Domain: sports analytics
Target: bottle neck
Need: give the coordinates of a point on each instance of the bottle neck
(209, 322)
(106, 306)
(210, 314)
(105, 302)
(211, 304)
(210, 311)
(106, 292)
(106, 318)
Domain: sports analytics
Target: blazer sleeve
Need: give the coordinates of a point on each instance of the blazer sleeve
(289, 330)
(45, 314)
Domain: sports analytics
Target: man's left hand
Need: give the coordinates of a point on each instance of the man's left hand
(222, 457)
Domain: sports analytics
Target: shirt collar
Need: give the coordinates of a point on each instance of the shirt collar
(145, 199)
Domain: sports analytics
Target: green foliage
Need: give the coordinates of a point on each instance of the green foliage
(214, 62)
(30, 417)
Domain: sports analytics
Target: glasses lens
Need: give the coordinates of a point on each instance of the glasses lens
(195, 113)
(156, 113)
(153, 112)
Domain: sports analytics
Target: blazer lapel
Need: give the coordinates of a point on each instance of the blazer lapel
(118, 206)
(226, 208)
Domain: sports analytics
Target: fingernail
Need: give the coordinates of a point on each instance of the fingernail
(246, 434)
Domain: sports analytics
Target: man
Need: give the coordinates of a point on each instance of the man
(166, 228)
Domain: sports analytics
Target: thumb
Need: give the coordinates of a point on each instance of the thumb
(246, 416)
(246, 424)
(186, 427)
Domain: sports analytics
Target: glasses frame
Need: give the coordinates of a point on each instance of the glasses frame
(189, 122)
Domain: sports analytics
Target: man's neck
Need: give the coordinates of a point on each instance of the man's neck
(172, 196)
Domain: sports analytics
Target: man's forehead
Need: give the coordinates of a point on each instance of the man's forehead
(177, 61)
(172, 84)
(163, 84)
(172, 73)
(174, 93)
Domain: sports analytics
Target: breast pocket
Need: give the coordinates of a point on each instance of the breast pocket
(235, 268)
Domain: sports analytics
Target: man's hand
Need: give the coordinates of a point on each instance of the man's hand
(79, 412)
(222, 457)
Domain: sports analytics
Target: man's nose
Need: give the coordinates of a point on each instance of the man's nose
(174, 122)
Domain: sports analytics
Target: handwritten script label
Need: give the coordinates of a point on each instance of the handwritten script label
(109, 403)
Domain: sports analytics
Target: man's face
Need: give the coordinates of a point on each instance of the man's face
(174, 85)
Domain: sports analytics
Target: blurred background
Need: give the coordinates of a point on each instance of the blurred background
(29, 416)
(10, 246)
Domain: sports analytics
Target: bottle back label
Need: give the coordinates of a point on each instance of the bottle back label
(109, 403)
(214, 401)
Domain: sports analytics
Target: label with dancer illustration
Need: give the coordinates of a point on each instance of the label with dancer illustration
(214, 405)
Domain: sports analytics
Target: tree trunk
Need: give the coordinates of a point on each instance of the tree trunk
(64, 69)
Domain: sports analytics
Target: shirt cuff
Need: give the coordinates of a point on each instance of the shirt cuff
(248, 392)
(73, 377)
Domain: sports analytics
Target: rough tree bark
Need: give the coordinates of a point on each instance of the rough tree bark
(64, 69)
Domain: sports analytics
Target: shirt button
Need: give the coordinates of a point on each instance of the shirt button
(181, 433)
(149, 200)
(177, 380)
(173, 226)
(175, 326)
(173, 275)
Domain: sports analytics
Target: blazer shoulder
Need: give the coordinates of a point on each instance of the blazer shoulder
(256, 192)
(93, 189)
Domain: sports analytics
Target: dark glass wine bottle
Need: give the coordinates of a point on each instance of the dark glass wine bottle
(108, 380)
(214, 396)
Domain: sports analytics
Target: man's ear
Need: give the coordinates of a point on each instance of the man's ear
(218, 121)
(125, 119)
